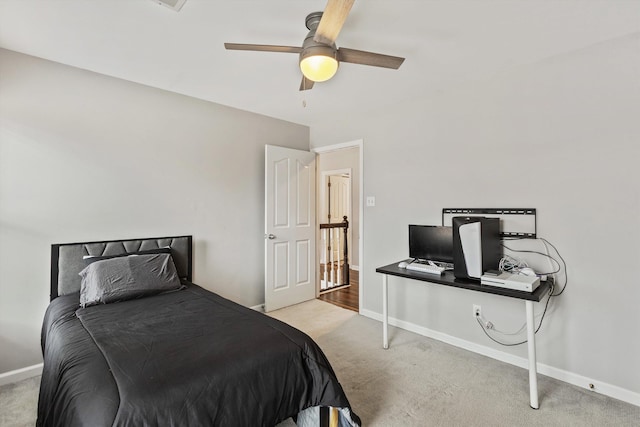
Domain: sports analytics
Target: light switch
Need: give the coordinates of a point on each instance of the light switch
(371, 201)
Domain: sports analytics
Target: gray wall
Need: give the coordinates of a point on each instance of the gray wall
(562, 136)
(89, 157)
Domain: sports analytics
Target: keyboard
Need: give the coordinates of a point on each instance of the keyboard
(425, 268)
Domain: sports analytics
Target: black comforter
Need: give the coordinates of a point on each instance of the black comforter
(185, 358)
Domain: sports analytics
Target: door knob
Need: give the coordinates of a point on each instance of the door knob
(270, 236)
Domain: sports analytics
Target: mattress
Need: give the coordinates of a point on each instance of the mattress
(187, 357)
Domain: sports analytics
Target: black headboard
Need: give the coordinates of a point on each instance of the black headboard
(67, 258)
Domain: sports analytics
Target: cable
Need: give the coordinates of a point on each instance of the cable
(546, 250)
(535, 332)
(524, 325)
(564, 265)
(509, 263)
(560, 268)
(537, 253)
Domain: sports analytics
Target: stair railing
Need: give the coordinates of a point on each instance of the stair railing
(334, 263)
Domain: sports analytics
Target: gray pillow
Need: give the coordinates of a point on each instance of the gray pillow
(88, 259)
(123, 278)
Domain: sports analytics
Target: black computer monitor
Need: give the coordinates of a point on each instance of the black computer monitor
(431, 243)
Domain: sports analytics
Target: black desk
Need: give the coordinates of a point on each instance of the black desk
(448, 279)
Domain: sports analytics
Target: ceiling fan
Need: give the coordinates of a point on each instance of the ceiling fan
(319, 56)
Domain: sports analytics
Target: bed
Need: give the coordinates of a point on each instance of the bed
(162, 351)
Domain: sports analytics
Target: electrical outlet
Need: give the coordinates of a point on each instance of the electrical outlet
(477, 310)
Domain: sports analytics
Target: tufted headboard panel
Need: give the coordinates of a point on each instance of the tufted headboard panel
(67, 258)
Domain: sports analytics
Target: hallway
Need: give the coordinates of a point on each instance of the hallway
(347, 297)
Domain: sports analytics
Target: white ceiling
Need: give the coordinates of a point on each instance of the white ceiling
(446, 43)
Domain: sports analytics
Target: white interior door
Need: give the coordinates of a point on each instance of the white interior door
(340, 197)
(290, 222)
(340, 204)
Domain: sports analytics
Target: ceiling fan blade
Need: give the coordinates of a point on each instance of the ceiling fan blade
(369, 58)
(262, 47)
(332, 20)
(306, 84)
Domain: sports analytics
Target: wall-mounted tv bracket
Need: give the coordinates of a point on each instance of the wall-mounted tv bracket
(515, 222)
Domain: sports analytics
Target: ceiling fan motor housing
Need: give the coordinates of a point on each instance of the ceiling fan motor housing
(312, 48)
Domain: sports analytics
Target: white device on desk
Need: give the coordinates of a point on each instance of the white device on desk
(518, 282)
(430, 268)
(476, 246)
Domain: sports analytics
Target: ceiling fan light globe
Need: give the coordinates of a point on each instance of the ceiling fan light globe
(318, 68)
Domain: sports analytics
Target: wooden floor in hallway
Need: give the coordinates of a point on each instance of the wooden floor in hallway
(347, 297)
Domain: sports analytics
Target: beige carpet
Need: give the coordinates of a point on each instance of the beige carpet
(422, 382)
(416, 382)
(19, 403)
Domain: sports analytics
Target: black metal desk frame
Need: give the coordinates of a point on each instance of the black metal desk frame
(448, 279)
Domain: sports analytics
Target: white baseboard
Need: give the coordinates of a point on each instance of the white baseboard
(259, 307)
(559, 374)
(20, 374)
(354, 268)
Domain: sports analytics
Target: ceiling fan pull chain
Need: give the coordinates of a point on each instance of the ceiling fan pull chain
(304, 88)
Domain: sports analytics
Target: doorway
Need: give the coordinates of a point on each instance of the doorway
(334, 215)
(339, 195)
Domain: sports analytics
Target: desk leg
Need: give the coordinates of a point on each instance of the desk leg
(385, 315)
(531, 338)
